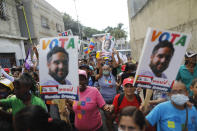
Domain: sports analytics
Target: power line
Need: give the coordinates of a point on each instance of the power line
(77, 18)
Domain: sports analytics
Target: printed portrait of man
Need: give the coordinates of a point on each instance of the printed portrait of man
(58, 66)
(107, 45)
(159, 60)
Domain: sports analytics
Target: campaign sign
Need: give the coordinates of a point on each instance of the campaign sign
(58, 62)
(66, 33)
(161, 58)
(107, 45)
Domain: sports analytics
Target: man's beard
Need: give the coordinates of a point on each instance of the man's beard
(56, 77)
(156, 71)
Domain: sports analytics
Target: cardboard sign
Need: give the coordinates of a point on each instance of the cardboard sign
(107, 45)
(66, 33)
(58, 63)
(161, 58)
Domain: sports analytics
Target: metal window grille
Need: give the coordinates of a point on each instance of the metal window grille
(44, 22)
(3, 13)
(58, 28)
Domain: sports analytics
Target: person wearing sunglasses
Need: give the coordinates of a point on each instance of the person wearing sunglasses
(128, 98)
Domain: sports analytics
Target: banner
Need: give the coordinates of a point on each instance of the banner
(92, 44)
(161, 58)
(86, 50)
(108, 44)
(28, 61)
(58, 62)
(66, 33)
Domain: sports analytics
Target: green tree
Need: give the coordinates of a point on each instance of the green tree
(118, 32)
(69, 23)
(88, 31)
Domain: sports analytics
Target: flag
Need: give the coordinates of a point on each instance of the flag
(86, 50)
(92, 44)
(97, 54)
(28, 61)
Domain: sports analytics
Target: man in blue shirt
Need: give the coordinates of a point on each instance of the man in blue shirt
(174, 115)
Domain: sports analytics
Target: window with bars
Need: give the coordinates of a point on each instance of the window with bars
(58, 27)
(44, 22)
(3, 14)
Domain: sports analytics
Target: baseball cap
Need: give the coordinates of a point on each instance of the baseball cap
(190, 54)
(7, 83)
(123, 67)
(127, 81)
(6, 70)
(82, 72)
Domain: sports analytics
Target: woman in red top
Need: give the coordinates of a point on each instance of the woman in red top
(129, 98)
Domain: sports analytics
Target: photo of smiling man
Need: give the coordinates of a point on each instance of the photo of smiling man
(58, 65)
(159, 60)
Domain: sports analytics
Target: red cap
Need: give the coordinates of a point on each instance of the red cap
(128, 81)
(123, 67)
(7, 70)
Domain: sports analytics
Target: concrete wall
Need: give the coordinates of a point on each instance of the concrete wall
(136, 6)
(28, 11)
(10, 26)
(175, 15)
(13, 46)
(42, 8)
(10, 35)
(34, 10)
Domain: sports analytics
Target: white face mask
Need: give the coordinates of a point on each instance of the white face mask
(179, 99)
(119, 129)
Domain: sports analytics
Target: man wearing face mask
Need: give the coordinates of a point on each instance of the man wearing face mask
(174, 115)
(107, 85)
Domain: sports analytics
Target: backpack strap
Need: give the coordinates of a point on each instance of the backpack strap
(138, 98)
(120, 98)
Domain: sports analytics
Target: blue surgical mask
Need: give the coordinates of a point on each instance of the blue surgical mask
(179, 99)
(106, 72)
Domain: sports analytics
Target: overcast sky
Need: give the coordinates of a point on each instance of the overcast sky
(97, 14)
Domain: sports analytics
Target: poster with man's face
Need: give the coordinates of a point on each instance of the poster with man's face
(161, 58)
(107, 45)
(58, 63)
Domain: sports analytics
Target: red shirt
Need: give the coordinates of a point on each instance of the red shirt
(124, 103)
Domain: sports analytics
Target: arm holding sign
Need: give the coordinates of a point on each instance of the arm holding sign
(98, 76)
(114, 63)
(144, 106)
(6, 75)
(37, 57)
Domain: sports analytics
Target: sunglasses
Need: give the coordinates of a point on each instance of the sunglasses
(129, 86)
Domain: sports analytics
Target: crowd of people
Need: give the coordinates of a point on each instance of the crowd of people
(106, 90)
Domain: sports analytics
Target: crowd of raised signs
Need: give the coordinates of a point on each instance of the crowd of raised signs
(106, 87)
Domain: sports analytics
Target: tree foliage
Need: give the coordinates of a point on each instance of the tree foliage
(118, 32)
(69, 23)
(88, 31)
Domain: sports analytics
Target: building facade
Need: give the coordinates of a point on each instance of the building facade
(11, 43)
(174, 15)
(43, 21)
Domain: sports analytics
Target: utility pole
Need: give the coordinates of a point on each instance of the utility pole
(77, 19)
